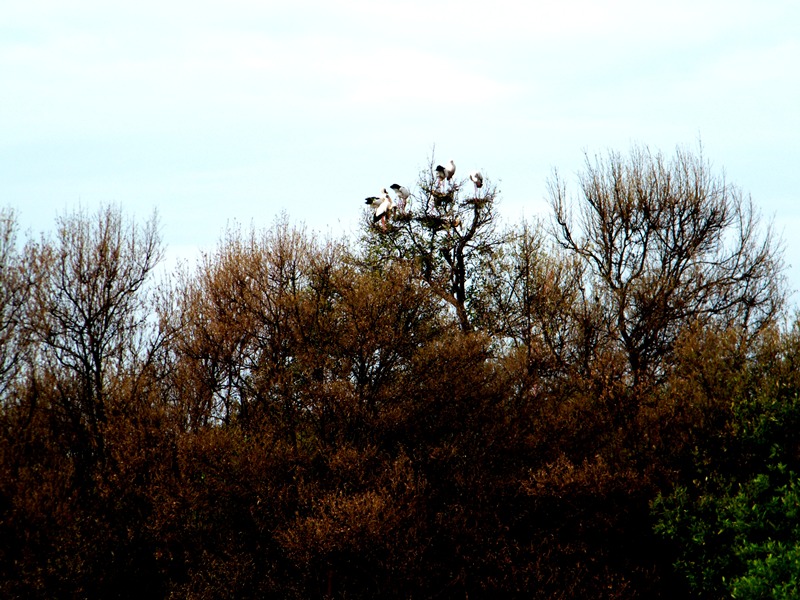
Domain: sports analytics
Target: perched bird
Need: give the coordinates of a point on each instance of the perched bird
(477, 179)
(450, 170)
(445, 173)
(382, 205)
(440, 176)
(402, 196)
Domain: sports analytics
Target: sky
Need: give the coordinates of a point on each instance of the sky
(232, 112)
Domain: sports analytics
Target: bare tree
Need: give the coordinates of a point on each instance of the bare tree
(88, 313)
(15, 289)
(666, 244)
(537, 302)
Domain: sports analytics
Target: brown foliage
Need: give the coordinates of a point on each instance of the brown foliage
(289, 421)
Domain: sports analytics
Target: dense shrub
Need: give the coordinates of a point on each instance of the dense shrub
(443, 409)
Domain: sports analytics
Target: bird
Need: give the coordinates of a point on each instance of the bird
(440, 176)
(477, 179)
(450, 170)
(445, 173)
(402, 196)
(382, 205)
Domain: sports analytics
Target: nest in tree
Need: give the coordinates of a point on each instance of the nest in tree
(432, 222)
(479, 202)
(385, 228)
(440, 198)
(438, 223)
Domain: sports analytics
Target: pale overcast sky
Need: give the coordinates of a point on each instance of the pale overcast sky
(236, 110)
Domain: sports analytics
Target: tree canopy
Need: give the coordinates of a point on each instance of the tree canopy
(597, 406)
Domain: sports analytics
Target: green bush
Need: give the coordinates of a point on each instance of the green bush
(736, 525)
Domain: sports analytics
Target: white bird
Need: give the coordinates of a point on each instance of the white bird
(445, 173)
(477, 179)
(382, 205)
(440, 176)
(450, 170)
(402, 196)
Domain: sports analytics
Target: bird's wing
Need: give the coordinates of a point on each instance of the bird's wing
(382, 209)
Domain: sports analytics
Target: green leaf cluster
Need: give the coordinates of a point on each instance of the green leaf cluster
(737, 524)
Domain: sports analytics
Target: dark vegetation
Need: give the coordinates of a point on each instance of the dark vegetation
(601, 407)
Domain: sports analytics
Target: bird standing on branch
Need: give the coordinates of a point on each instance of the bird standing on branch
(382, 205)
(445, 173)
(440, 176)
(402, 196)
(477, 179)
(450, 170)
